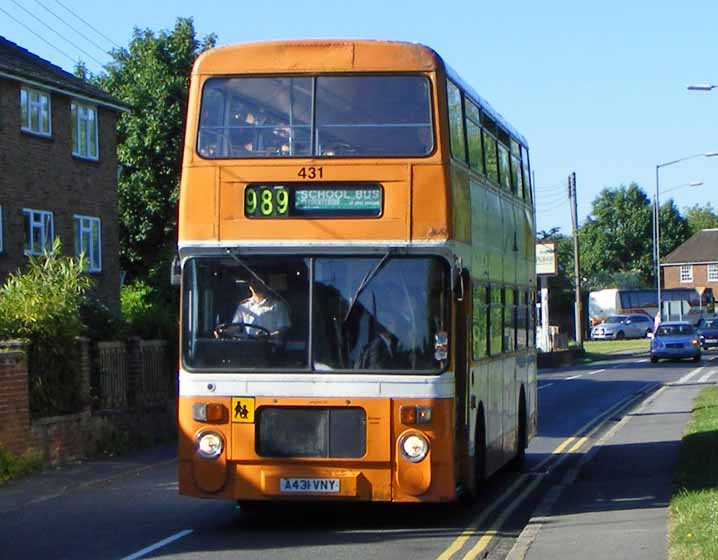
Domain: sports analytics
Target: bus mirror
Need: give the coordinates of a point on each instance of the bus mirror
(175, 271)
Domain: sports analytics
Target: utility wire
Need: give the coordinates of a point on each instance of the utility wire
(63, 53)
(544, 189)
(100, 48)
(83, 51)
(547, 209)
(552, 198)
(88, 24)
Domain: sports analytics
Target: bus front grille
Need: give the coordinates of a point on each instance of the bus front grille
(311, 432)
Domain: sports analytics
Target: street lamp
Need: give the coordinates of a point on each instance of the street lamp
(657, 235)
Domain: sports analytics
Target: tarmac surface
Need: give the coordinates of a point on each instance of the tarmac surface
(614, 504)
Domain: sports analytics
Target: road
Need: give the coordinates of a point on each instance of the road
(142, 516)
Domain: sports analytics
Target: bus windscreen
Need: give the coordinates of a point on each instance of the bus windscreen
(315, 313)
(322, 116)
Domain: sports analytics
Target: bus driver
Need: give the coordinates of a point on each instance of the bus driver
(268, 312)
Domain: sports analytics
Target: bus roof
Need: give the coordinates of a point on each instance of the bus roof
(335, 55)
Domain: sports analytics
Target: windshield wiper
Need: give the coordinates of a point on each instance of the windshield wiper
(368, 277)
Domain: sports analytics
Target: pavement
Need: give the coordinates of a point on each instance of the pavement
(67, 478)
(614, 503)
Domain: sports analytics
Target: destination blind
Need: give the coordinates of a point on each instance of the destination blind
(313, 200)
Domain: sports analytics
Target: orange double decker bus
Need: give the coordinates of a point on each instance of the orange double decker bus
(357, 249)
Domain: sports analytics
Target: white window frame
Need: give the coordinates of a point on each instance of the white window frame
(83, 128)
(43, 221)
(712, 272)
(31, 102)
(686, 273)
(84, 241)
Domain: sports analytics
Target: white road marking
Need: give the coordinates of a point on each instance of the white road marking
(544, 386)
(597, 371)
(157, 545)
(574, 376)
(689, 375)
(706, 377)
(642, 361)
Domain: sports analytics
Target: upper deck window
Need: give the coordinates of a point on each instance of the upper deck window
(329, 116)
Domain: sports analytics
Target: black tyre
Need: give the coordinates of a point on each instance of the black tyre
(697, 358)
(654, 359)
(620, 335)
(517, 462)
(469, 496)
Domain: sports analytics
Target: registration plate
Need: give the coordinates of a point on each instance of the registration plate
(309, 485)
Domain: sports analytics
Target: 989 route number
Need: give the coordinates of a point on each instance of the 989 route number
(266, 202)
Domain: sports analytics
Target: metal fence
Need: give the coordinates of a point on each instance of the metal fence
(135, 373)
(111, 375)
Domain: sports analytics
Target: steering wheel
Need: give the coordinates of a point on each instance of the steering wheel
(238, 331)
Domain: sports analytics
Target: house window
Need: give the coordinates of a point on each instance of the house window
(712, 272)
(35, 111)
(88, 241)
(686, 273)
(84, 130)
(39, 231)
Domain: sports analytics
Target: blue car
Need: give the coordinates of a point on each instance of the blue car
(708, 332)
(675, 340)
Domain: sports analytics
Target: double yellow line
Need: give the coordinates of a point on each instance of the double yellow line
(557, 456)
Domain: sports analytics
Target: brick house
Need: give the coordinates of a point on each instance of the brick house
(58, 168)
(694, 264)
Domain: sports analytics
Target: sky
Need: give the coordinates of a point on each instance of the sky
(598, 89)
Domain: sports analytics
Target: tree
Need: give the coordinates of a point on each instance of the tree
(617, 238)
(701, 217)
(151, 75)
(674, 228)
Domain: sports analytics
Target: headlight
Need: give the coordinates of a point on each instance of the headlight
(209, 445)
(695, 342)
(414, 447)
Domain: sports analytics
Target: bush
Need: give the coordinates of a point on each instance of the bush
(42, 305)
(148, 313)
(12, 466)
(100, 322)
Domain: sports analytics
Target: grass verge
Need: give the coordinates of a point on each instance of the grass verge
(607, 349)
(13, 466)
(694, 506)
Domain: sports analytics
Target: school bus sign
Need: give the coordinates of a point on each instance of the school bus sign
(546, 261)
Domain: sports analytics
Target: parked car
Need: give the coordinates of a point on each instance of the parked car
(708, 332)
(675, 340)
(618, 327)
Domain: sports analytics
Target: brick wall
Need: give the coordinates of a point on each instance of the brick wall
(70, 436)
(42, 174)
(672, 278)
(14, 404)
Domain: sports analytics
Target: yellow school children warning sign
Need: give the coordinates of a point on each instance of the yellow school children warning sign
(243, 409)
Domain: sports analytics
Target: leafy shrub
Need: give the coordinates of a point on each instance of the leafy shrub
(148, 313)
(12, 466)
(42, 305)
(100, 322)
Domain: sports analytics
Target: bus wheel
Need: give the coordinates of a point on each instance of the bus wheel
(471, 489)
(517, 462)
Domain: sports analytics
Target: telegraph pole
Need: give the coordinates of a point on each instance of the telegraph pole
(576, 263)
